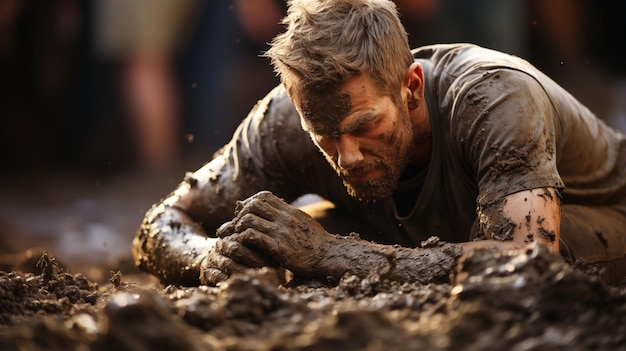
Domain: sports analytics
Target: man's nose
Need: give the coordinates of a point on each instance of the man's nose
(348, 152)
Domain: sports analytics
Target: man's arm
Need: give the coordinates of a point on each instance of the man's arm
(174, 240)
(290, 238)
(529, 215)
(537, 215)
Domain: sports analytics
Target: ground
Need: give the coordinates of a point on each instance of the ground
(521, 300)
(89, 296)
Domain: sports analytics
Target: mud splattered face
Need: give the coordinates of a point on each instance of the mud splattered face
(365, 136)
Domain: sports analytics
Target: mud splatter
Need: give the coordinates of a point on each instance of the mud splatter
(529, 238)
(549, 235)
(509, 161)
(190, 179)
(540, 220)
(493, 222)
(324, 109)
(546, 195)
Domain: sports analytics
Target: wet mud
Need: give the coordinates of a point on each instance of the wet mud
(519, 300)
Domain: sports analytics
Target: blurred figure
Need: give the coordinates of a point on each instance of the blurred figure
(222, 73)
(143, 36)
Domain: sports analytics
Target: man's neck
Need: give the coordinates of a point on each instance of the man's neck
(422, 136)
(420, 156)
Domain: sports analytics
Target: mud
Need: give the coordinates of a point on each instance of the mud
(167, 246)
(493, 220)
(519, 300)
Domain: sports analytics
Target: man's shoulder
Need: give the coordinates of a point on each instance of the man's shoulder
(277, 123)
(450, 52)
(463, 59)
(281, 115)
(274, 111)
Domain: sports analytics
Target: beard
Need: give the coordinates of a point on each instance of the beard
(391, 159)
(378, 188)
(370, 189)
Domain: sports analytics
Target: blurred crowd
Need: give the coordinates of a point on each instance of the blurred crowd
(105, 86)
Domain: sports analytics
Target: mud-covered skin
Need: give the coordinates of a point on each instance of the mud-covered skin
(175, 237)
(287, 236)
(494, 223)
(523, 217)
(295, 241)
(362, 258)
(168, 245)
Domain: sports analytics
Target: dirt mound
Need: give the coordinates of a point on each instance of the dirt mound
(523, 300)
(52, 292)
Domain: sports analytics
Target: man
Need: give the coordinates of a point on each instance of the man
(470, 145)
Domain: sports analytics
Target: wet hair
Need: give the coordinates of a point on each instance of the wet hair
(328, 41)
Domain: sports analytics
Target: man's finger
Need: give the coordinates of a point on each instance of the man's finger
(241, 254)
(259, 208)
(258, 242)
(255, 222)
(227, 265)
(280, 211)
(212, 276)
(263, 204)
(226, 229)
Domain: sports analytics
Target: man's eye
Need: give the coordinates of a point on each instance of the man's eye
(368, 125)
(364, 128)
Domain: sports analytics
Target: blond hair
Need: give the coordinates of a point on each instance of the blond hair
(328, 41)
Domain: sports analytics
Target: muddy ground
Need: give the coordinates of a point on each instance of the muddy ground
(525, 300)
(85, 294)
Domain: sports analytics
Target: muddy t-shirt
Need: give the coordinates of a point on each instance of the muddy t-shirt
(499, 126)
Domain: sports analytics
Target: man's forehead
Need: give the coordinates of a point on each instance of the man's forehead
(322, 112)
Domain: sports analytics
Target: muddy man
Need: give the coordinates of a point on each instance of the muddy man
(470, 145)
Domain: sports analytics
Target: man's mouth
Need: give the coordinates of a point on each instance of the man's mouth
(364, 175)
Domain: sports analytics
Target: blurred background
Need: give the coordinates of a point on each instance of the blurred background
(105, 104)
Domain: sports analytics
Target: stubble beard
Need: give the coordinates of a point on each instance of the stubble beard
(392, 162)
(379, 188)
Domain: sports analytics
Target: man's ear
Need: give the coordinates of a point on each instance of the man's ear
(413, 84)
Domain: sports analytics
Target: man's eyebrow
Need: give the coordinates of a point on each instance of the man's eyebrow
(335, 133)
(360, 121)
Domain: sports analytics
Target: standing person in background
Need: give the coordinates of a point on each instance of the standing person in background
(222, 73)
(144, 36)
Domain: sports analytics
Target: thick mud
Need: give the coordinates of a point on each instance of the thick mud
(522, 300)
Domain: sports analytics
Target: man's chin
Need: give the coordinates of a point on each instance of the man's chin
(368, 192)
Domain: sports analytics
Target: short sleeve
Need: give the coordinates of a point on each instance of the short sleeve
(504, 124)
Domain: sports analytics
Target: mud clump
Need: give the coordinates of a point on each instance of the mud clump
(52, 292)
(518, 300)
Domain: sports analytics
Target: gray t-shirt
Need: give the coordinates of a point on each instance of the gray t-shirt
(499, 127)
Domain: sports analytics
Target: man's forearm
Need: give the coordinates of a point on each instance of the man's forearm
(169, 245)
(361, 258)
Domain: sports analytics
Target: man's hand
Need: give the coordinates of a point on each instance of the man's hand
(227, 257)
(267, 231)
(275, 231)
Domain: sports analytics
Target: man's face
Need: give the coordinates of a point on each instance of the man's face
(368, 140)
